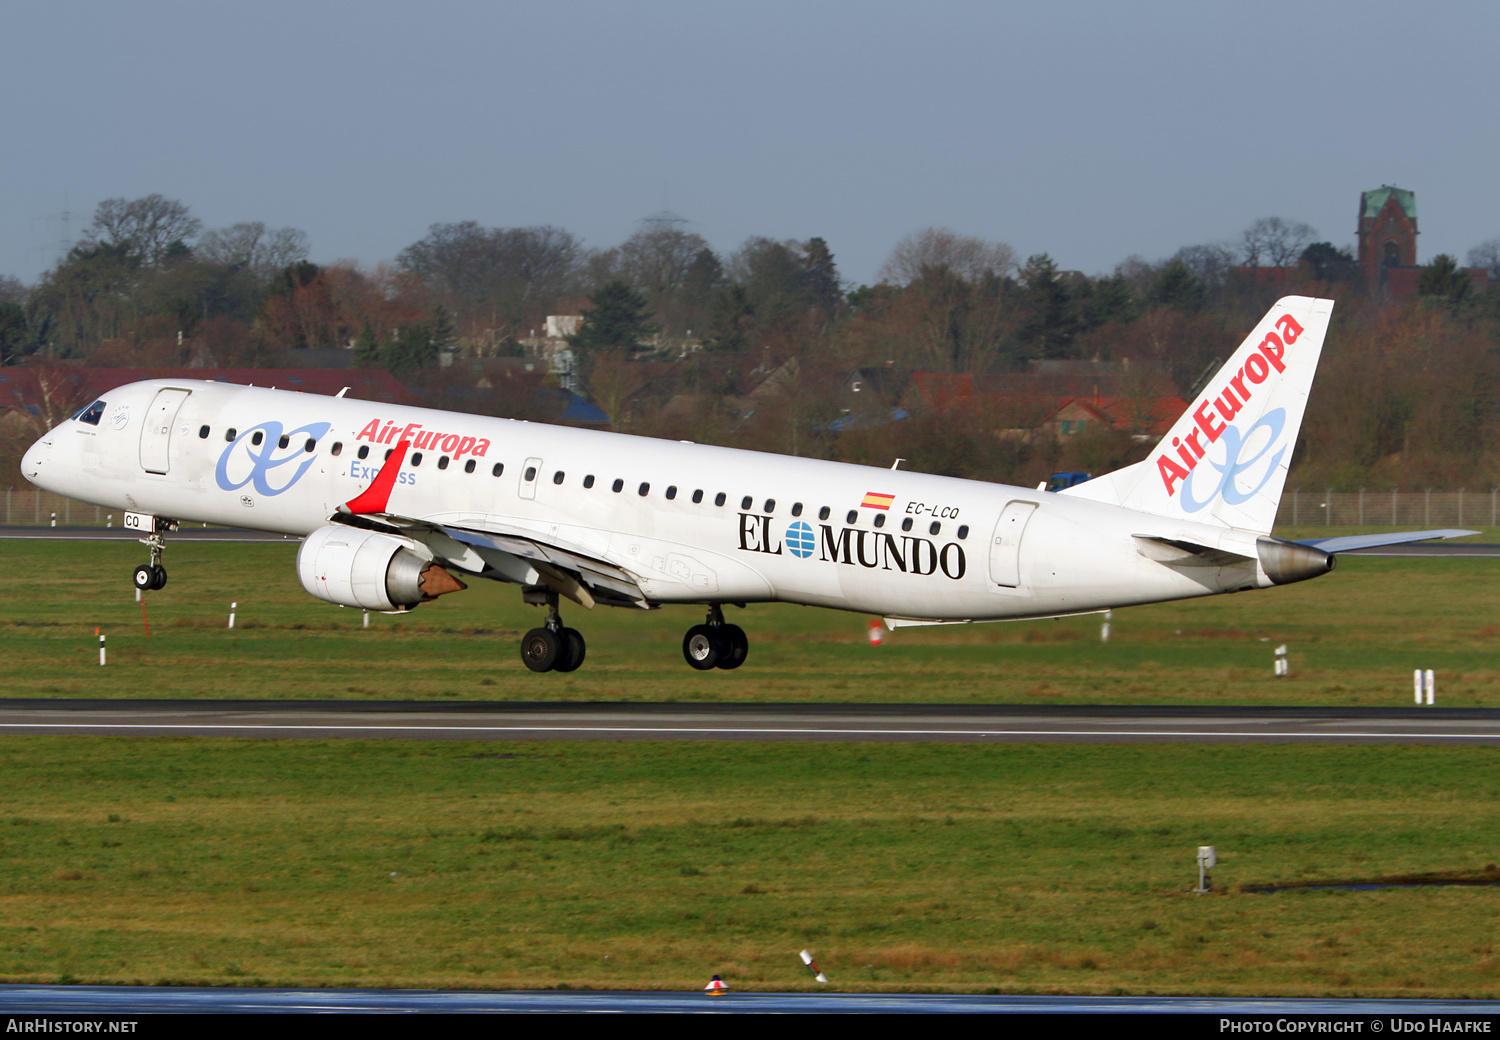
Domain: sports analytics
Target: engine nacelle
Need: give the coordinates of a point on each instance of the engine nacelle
(356, 568)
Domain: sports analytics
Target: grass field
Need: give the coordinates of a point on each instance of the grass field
(970, 867)
(1354, 638)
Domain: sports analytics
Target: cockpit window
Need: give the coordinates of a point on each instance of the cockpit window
(92, 414)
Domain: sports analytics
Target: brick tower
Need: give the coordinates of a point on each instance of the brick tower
(1388, 239)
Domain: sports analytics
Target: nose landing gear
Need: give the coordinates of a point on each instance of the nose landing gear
(553, 647)
(153, 575)
(715, 644)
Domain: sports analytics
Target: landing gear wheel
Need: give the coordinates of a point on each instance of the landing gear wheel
(158, 577)
(736, 646)
(144, 576)
(702, 647)
(573, 649)
(540, 649)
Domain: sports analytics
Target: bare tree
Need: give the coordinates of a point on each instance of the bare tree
(1487, 255)
(1209, 262)
(970, 259)
(147, 227)
(253, 247)
(512, 273)
(1273, 242)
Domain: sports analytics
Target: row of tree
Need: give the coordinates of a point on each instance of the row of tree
(1404, 396)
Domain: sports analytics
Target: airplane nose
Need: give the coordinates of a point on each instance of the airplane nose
(35, 457)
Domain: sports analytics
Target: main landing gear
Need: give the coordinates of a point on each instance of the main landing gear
(152, 575)
(551, 648)
(715, 644)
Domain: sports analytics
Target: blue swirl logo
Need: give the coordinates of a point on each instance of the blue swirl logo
(800, 540)
(245, 461)
(1234, 442)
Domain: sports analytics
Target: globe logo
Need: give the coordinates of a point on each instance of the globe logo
(800, 540)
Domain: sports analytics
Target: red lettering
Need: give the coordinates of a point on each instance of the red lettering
(1271, 347)
(388, 434)
(481, 446)
(1192, 440)
(1256, 368)
(450, 442)
(1206, 424)
(464, 445)
(1183, 454)
(370, 432)
(426, 439)
(1288, 327)
(1170, 472)
(1227, 404)
(1238, 382)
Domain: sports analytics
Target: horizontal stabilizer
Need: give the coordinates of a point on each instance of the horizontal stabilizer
(1351, 542)
(1181, 553)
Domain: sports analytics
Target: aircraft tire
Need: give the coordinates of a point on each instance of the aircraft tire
(143, 577)
(158, 577)
(702, 647)
(573, 651)
(540, 649)
(736, 646)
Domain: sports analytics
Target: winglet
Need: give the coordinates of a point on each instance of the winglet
(374, 498)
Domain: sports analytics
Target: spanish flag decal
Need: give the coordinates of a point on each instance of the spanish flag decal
(875, 500)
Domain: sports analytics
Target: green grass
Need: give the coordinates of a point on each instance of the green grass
(653, 865)
(1355, 636)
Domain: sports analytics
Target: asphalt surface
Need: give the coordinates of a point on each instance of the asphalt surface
(128, 1000)
(420, 720)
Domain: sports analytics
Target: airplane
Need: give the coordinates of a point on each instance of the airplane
(395, 505)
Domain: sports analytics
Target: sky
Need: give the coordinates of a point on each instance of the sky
(1087, 130)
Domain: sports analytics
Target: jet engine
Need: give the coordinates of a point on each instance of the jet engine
(356, 568)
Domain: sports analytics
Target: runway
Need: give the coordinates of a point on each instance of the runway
(1013, 724)
(138, 1000)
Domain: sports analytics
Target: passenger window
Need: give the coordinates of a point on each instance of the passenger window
(229, 434)
(337, 449)
(257, 437)
(416, 459)
(202, 432)
(617, 486)
(644, 490)
(557, 478)
(852, 517)
(364, 451)
(823, 513)
(442, 462)
(935, 528)
(906, 524)
(879, 519)
(745, 503)
(770, 505)
(387, 455)
(588, 481)
(719, 499)
(671, 492)
(796, 508)
(310, 445)
(530, 474)
(284, 441)
(497, 469)
(963, 532)
(469, 466)
(697, 496)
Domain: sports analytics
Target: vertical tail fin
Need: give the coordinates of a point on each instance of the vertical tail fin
(1225, 459)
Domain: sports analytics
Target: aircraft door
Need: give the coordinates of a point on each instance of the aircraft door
(1005, 547)
(156, 433)
(530, 473)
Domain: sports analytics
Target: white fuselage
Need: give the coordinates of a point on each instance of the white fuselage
(789, 529)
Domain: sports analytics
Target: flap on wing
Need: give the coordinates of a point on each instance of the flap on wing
(572, 571)
(1176, 552)
(1347, 543)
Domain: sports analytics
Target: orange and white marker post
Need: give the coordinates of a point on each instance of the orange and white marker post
(812, 966)
(876, 632)
(716, 987)
(101, 646)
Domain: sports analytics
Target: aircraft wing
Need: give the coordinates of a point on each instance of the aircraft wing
(1371, 541)
(507, 553)
(514, 554)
